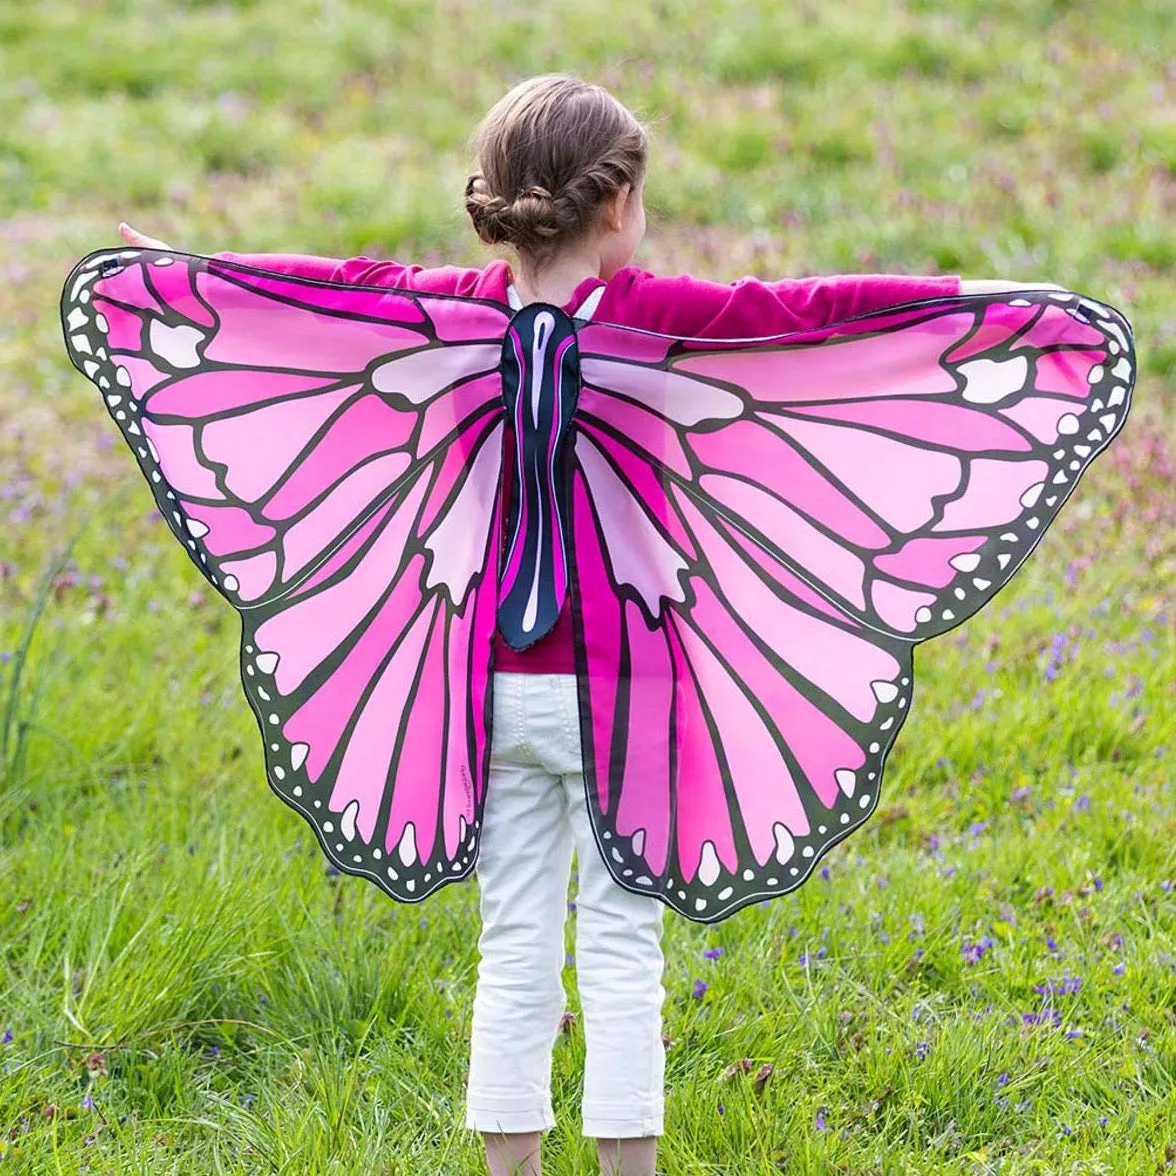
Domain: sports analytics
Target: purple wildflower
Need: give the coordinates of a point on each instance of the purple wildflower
(1063, 987)
(7, 1037)
(1046, 1016)
(722, 1109)
(1119, 968)
(1082, 804)
(819, 954)
(1003, 1080)
(825, 873)
(973, 952)
(1022, 792)
(922, 1050)
(821, 1125)
(700, 987)
(713, 953)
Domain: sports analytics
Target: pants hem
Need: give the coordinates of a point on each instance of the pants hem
(596, 1127)
(512, 1122)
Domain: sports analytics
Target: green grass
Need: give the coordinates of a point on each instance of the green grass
(186, 988)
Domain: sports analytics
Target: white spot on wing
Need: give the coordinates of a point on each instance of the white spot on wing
(176, 345)
(785, 846)
(407, 846)
(347, 820)
(846, 780)
(989, 381)
(708, 867)
(1030, 497)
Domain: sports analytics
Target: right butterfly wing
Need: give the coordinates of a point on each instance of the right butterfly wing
(329, 457)
(763, 529)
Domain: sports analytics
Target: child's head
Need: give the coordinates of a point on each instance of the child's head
(561, 163)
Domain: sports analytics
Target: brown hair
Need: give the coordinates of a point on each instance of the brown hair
(550, 152)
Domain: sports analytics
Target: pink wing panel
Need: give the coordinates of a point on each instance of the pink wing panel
(757, 556)
(329, 456)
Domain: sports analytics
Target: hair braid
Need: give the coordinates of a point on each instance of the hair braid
(551, 152)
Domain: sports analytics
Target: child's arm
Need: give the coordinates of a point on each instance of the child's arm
(357, 270)
(751, 308)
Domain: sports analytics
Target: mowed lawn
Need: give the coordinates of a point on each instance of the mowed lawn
(982, 980)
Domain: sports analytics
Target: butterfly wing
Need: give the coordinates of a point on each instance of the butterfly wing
(762, 532)
(329, 457)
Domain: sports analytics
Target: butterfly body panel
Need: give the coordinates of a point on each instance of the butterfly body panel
(540, 387)
(752, 535)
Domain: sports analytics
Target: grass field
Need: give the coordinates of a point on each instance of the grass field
(982, 980)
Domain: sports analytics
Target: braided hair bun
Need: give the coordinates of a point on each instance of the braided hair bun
(551, 152)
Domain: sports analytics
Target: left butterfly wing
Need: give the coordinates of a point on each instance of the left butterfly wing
(763, 530)
(329, 457)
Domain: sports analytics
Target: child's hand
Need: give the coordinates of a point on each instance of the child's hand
(134, 237)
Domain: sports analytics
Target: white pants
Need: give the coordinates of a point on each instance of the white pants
(535, 815)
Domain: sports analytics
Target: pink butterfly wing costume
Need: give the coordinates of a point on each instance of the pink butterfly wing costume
(752, 536)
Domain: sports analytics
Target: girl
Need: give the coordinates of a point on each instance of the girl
(561, 168)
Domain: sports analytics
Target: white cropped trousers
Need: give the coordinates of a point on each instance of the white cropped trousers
(535, 815)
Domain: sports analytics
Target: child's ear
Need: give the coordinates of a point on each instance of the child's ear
(614, 209)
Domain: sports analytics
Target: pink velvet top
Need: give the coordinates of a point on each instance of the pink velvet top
(682, 306)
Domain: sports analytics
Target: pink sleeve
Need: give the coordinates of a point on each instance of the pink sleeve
(364, 271)
(750, 308)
